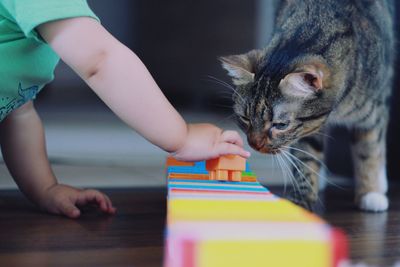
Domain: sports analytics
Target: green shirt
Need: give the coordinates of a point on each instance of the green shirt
(26, 62)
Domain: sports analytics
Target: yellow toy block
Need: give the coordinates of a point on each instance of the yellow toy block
(237, 210)
(260, 253)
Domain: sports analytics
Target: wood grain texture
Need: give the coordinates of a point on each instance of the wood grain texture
(374, 237)
(134, 237)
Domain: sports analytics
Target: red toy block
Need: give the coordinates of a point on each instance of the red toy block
(340, 247)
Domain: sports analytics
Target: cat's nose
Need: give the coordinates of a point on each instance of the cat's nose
(259, 142)
(257, 145)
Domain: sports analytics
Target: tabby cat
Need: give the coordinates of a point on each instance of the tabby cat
(330, 62)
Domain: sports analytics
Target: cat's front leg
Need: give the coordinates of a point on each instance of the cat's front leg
(369, 158)
(306, 159)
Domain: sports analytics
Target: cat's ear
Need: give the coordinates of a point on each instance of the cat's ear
(242, 67)
(304, 82)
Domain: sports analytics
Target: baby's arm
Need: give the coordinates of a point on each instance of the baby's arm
(23, 148)
(121, 80)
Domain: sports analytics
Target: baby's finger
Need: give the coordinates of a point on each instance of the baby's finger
(92, 196)
(229, 149)
(69, 209)
(233, 137)
(100, 200)
(111, 209)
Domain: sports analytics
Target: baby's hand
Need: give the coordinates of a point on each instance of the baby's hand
(206, 141)
(64, 200)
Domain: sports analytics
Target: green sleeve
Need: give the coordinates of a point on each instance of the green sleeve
(28, 14)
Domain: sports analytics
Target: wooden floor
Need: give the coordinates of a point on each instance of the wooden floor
(374, 237)
(134, 237)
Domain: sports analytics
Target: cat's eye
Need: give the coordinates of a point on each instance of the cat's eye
(280, 125)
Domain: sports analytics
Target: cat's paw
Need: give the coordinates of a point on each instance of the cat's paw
(374, 202)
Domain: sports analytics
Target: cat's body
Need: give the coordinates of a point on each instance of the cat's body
(329, 62)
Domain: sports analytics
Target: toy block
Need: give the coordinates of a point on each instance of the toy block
(212, 176)
(230, 162)
(235, 176)
(221, 175)
(189, 176)
(171, 161)
(212, 223)
(249, 179)
(185, 169)
(226, 168)
(247, 167)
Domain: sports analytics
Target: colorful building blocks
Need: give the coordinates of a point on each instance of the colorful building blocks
(199, 170)
(213, 223)
(226, 168)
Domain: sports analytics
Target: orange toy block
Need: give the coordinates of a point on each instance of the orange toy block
(171, 161)
(226, 168)
(189, 176)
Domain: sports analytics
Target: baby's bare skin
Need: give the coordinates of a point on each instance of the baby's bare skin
(122, 81)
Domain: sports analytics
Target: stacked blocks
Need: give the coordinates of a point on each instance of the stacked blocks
(227, 168)
(212, 223)
(199, 170)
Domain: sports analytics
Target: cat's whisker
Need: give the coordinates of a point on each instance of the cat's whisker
(215, 79)
(222, 106)
(312, 170)
(278, 160)
(225, 118)
(296, 186)
(287, 152)
(307, 153)
(225, 84)
(284, 153)
(227, 95)
(315, 158)
(325, 135)
(224, 98)
(285, 178)
(275, 160)
(230, 91)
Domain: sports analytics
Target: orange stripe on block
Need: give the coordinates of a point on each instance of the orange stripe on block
(174, 162)
(191, 176)
(249, 179)
(188, 176)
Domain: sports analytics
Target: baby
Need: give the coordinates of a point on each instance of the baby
(34, 35)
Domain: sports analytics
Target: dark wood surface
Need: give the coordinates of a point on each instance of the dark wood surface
(134, 237)
(374, 237)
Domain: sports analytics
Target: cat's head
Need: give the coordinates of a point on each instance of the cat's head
(276, 104)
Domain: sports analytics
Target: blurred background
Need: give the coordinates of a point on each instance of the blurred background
(179, 42)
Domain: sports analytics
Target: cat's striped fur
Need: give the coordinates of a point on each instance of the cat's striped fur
(329, 62)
